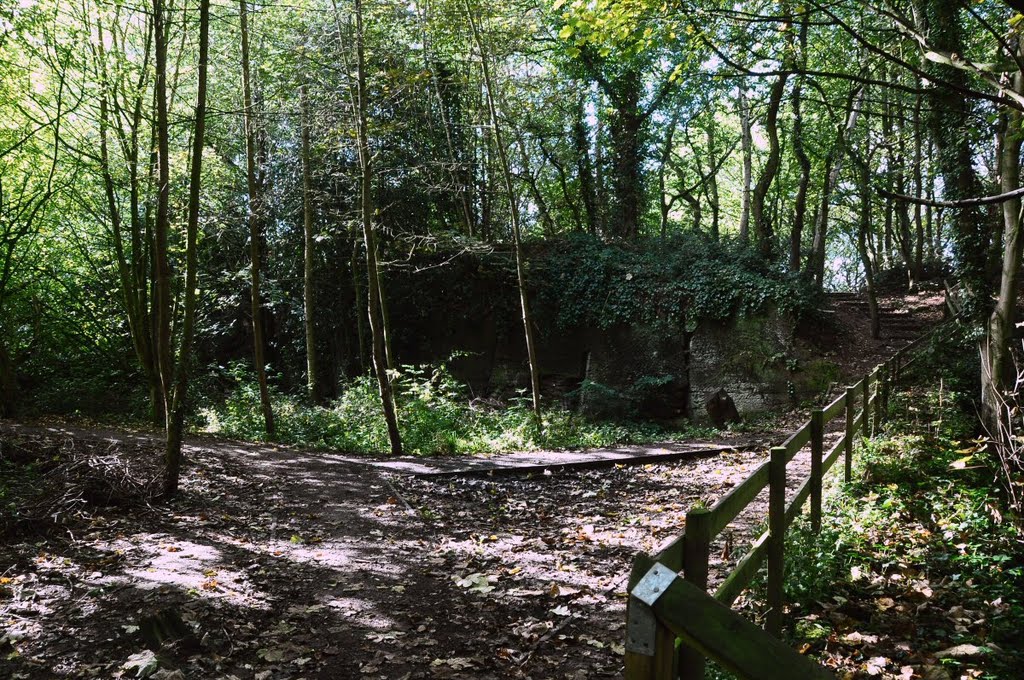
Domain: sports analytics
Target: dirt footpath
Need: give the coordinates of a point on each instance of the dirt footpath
(280, 564)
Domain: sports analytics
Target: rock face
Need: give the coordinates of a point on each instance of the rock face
(749, 356)
(631, 371)
(721, 409)
(621, 371)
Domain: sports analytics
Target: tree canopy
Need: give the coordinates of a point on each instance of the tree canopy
(163, 164)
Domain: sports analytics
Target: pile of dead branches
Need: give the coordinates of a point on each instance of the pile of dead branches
(58, 482)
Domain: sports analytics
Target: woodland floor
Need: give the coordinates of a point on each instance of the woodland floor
(277, 563)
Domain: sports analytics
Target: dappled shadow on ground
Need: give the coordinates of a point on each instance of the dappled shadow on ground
(285, 564)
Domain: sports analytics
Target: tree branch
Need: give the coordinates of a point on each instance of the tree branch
(965, 203)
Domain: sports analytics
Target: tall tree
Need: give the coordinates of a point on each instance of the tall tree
(255, 215)
(506, 169)
(175, 369)
(308, 253)
(747, 147)
(366, 218)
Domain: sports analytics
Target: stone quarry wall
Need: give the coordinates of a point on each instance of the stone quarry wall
(759, 360)
(623, 371)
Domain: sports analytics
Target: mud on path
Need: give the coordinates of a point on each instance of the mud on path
(274, 563)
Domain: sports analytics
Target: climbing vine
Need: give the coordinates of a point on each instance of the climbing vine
(662, 283)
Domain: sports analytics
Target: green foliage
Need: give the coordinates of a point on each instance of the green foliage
(952, 357)
(436, 417)
(668, 283)
(921, 510)
(822, 374)
(600, 399)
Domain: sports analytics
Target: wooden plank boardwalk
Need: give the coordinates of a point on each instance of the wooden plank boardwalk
(540, 461)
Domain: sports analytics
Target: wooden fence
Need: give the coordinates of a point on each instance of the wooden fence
(673, 623)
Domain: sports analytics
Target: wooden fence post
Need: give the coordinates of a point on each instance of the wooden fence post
(851, 413)
(696, 555)
(879, 399)
(865, 408)
(890, 374)
(817, 451)
(776, 538)
(645, 634)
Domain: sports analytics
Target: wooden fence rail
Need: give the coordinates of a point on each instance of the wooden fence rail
(670, 634)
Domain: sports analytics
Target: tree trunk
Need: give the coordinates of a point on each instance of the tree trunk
(919, 241)
(563, 183)
(584, 167)
(161, 227)
(373, 295)
(457, 171)
(176, 383)
(712, 183)
(863, 228)
(764, 232)
(747, 145)
(129, 257)
(950, 122)
(800, 203)
(548, 224)
(254, 217)
(833, 166)
(531, 351)
(664, 201)
(316, 393)
(997, 369)
(625, 131)
(359, 302)
(600, 184)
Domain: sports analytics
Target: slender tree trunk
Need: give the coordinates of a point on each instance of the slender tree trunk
(584, 167)
(373, 295)
(563, 182)
(176, 383)
(800, 203)
(255, 216)
(600, 184)
(359, 298)
(664, 201)
(863, 230)
(764, 232)
(385, 315)
(316, 393)
(833, 167)
(919, 241)
(996, 370)
(486, 164)
(164, 304)
(712, 183)
(130, 258)
(531, 350)
(531, 181)
(747, 146)
(457, 172)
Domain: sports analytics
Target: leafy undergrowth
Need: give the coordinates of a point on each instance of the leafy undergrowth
(436, 417)
(916, 572)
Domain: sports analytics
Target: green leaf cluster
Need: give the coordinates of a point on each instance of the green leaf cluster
(668, 283)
